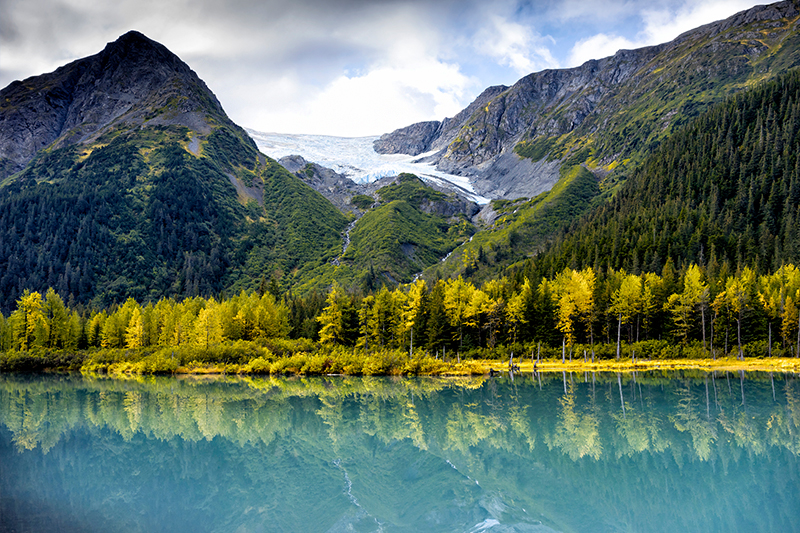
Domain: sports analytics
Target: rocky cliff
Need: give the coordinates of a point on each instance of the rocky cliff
(512, 140)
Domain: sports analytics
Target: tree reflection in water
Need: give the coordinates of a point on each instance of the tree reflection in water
(554, 452)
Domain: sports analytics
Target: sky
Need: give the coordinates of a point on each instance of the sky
(348, 67)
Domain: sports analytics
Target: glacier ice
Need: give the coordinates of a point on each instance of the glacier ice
(355, 158)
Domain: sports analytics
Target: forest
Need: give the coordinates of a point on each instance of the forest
(693, 256)
(723, 189)
(417, 328)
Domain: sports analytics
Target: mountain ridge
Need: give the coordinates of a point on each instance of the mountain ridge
(603, 112)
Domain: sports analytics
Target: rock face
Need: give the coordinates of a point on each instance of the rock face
(338, 189)
(606, 110)
(133, 81)
(434, 135)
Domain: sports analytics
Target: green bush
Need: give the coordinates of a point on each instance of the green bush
(259, 365)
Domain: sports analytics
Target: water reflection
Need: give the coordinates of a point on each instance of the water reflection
(582, 452)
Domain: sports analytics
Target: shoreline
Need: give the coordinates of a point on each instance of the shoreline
(485, 367)
(728, 364)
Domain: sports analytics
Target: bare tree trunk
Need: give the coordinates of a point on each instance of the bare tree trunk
(619, 333)
(769, 345)
(712, 336)
(563, 349)
(739, 335)
(703, 316)
(726, 342)
(638, 326)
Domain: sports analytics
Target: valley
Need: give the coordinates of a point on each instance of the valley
(133, 185)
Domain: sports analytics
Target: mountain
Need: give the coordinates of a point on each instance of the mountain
(723, 192)
(604, 114)
(122, 176)
(133, 82)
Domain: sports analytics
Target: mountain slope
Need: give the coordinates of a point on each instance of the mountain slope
(512, 140)
(724, 192)
(406, 227)
(124, 177)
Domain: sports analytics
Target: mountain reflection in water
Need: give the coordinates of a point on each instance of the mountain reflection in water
(555, 452)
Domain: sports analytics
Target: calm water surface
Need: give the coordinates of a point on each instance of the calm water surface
(557, 452)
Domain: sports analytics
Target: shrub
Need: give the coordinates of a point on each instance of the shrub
(259, 365)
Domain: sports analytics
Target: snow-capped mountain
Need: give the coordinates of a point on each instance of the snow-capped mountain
(355, 158)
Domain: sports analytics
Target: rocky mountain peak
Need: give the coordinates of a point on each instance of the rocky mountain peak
(133, 81)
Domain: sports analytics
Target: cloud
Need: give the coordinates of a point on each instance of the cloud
(351, 67)
(514, 45)
(657, 26)
(664, 25)
(597, 46)
(380, 100)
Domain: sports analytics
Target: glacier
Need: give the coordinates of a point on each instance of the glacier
(355, 158)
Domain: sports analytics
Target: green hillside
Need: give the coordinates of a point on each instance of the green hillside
(157, 212)
(397, 239)
(522, 228)
(722, 192)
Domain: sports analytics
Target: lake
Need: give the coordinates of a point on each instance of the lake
(684, 451)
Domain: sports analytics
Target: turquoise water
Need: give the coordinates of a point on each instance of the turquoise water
(559, 452)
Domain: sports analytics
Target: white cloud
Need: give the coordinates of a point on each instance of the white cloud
(597, 46)
(381, 100)
(351, 67)
(658, 26)
(514, 45)
(662, 25)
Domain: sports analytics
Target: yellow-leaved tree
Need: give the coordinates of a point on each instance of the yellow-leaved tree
(331, 319)
(27, 320)
(574, 295)
(626, 302)
(457, 297)
(736, 299)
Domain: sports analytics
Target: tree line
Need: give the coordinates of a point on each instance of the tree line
(708, 313)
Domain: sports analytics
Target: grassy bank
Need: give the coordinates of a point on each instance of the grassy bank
(729, 364)
(304, 357)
